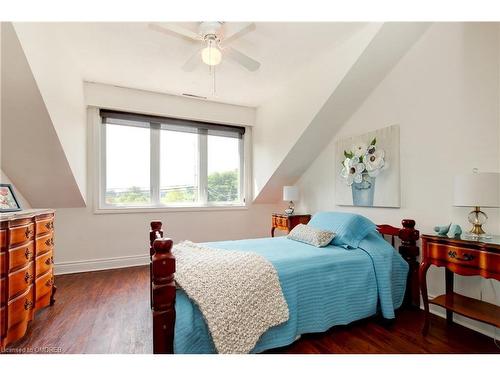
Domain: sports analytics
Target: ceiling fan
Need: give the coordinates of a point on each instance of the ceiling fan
(212, 44)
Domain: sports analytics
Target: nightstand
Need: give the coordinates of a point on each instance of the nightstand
(288, 222)
(464, 257)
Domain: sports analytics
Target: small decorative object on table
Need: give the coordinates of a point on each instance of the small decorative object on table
(442, 230)
(290, 194)
(455, 231)
(477, 190)
(8, 200)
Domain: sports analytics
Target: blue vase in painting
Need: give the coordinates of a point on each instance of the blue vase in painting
(363, 192)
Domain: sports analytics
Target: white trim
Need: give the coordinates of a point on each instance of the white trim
(459, 319)
(130, 210)
(62, 268)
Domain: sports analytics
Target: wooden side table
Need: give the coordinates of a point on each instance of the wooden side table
(288, 222)
(463, 257)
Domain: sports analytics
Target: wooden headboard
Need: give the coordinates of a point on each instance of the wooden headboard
(162, 270)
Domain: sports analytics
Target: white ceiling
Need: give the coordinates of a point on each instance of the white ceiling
(131, 55)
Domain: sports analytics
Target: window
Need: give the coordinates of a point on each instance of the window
(149, 161)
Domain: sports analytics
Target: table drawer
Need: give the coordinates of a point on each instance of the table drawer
(44, 263)
(22, 234)
(44, 285)
(465, 257)
(20, 256)
(44, 226)
(44, 244)
(20, 280)
(20, 308)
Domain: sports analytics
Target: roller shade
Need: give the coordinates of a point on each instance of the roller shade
(172, 124)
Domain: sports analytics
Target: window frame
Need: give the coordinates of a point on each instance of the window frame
(99, 139)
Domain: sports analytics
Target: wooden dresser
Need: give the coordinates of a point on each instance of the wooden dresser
(26, 271)
(464, 257)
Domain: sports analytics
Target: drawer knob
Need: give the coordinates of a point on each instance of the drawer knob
(27, 277)
(49, 261)
(49, 225)
(27, 253)
(28, 232)
(49, 282)
(28, 304)
(466, 258)
(49, 242)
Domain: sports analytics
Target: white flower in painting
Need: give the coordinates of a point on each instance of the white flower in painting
(374, 162)
(360, 149)
(352, 170)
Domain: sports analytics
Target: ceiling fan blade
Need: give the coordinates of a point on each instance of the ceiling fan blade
(193, 62)
(242, 59)
(238, 34)
(176, 31)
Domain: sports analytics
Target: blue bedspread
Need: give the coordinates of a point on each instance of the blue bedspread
(323, 287)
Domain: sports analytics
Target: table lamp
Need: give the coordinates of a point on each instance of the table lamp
(477, 190)
(290, 194)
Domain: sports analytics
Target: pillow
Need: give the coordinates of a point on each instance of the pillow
(310, 235)
(349, 228)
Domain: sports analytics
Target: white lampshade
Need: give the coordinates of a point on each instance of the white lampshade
(477, 189)
(290, 193)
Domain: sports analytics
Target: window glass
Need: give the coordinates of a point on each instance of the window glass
(127, 165)
(178, 167)
(223, 168)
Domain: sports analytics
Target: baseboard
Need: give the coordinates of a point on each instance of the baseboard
(483, 328)
(62, 268)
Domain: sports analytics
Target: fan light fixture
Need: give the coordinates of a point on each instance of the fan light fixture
(211, 55)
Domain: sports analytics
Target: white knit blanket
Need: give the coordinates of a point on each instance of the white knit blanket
(237, 292)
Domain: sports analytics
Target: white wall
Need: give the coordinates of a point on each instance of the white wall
(61, 86)
(4, 179)
(282, 119)
(88, 241)
(444, 94)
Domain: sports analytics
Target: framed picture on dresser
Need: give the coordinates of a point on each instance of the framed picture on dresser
(8, 200)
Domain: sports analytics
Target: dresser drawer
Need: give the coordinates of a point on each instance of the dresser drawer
(44, 285)
(20, 308)
(465, 257)
(43, 263)
(20, 280)
(44, 226)
(22, 234)
(44, 244)
(21, 256)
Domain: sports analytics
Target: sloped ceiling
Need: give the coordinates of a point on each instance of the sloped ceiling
(386, 48)
(31, 153)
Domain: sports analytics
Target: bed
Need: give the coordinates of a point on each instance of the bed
(323, 287)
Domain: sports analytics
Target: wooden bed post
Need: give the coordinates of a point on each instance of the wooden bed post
(162, 291)
(409, 251)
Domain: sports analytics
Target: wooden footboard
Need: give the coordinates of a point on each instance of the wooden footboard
(409, 250)
(162, 270)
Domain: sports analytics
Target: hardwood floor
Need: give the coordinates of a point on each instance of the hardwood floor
(108, 312)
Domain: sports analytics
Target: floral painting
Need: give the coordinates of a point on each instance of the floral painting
(8, 201)
(367, 169)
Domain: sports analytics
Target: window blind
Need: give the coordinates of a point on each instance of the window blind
(172, 124)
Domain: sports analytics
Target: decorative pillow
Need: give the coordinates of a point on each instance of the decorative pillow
(310, 235)
(349, 228)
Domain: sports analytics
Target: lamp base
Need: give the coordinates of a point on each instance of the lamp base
(477, 218)
(290, 209)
